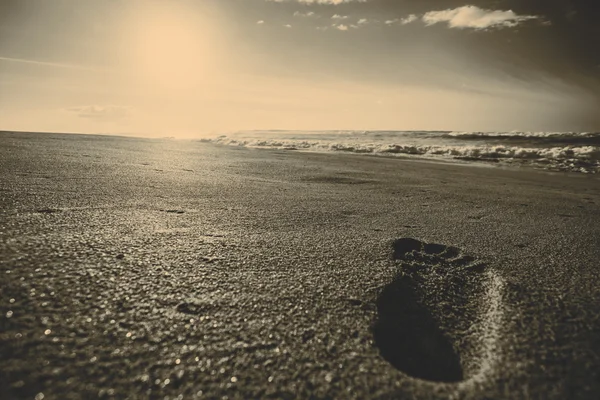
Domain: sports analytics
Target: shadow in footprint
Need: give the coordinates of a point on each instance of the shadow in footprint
(409, 337)
(424, 311)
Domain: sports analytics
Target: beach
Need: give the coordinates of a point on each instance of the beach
(157, 268)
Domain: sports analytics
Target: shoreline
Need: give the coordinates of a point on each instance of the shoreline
(490, 162)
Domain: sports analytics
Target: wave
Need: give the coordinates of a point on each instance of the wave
(523, 134)
(565, 157)
(546, 139)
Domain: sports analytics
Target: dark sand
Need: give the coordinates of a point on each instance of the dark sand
(136, 268)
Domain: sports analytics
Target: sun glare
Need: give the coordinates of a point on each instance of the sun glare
(171, 47)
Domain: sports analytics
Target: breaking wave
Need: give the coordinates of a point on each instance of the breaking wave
(558, 151)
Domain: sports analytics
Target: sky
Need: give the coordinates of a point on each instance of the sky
(190, 68)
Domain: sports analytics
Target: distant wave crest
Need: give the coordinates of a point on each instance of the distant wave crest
(541, 149)
(523, 134)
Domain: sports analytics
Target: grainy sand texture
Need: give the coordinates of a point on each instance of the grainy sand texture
(138, 268)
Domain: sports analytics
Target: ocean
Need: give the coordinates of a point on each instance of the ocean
(555, 151)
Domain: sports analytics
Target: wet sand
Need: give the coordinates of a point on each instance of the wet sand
(137, 268)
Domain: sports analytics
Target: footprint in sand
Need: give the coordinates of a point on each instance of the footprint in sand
(440, 318)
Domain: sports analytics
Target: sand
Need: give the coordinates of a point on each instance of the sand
(137, 268)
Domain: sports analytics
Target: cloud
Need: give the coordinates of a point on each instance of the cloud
(362, 21)
(409, 19)
(337, 16)
(475, 18)
(54, 64)
(344, 27)
(404, 21)
(306, 14)
(105, 113)
(287, 26)
(260, 22)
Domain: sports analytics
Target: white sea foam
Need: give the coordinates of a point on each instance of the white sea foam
(566, 151)
(524, 134)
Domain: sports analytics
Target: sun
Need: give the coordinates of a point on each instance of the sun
(171, 47)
